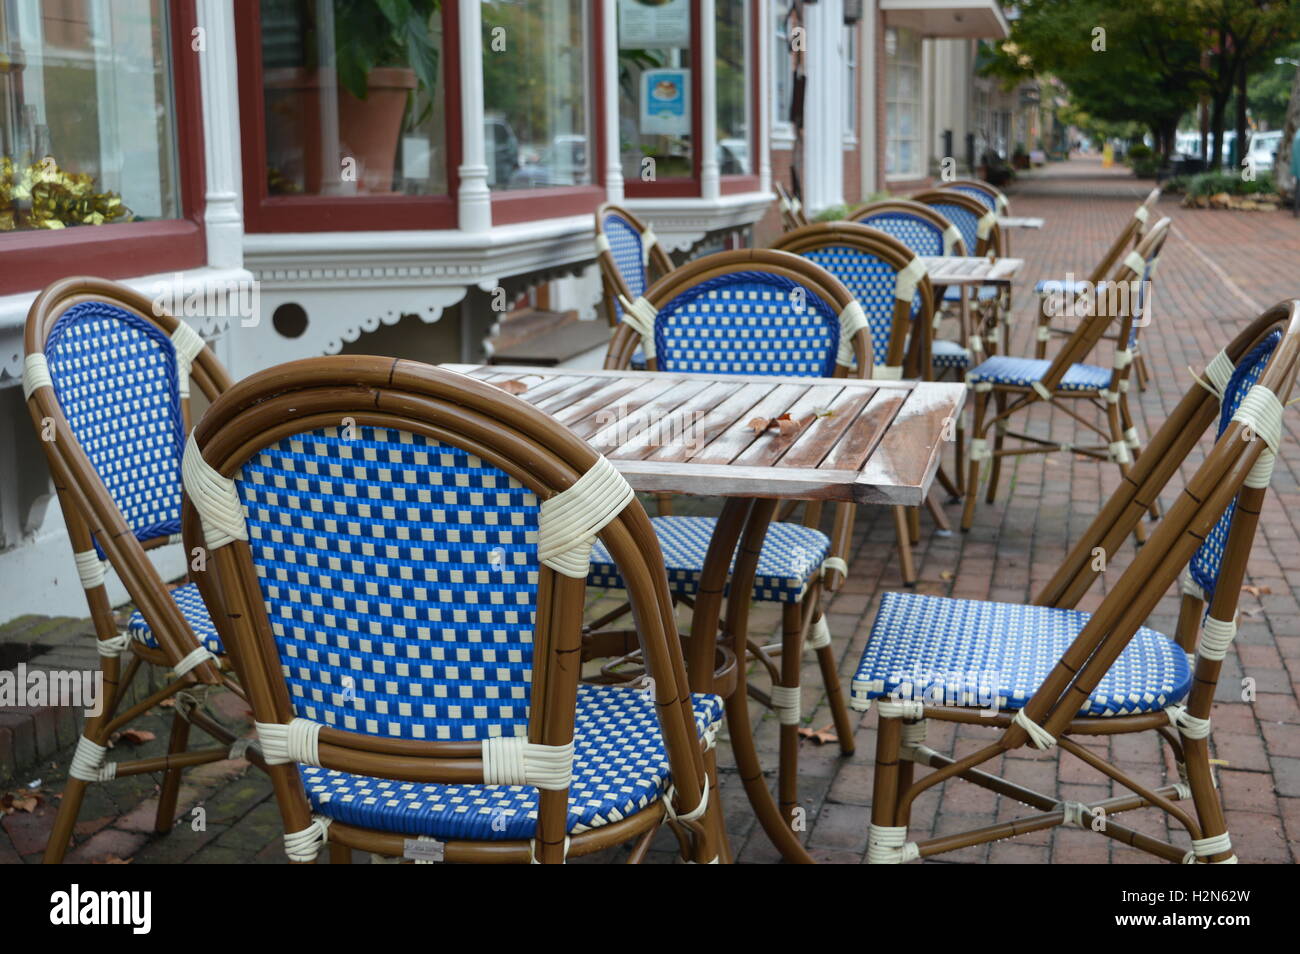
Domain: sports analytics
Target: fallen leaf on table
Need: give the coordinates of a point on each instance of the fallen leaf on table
(945, 574)
(112, 860)
(822, 736)
(759, 424)
(511, 387)
(1257, 591)
(788, 426)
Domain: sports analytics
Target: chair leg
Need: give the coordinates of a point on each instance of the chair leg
(977, 441)
(835, 694)
(1117, 438)
(902, 528)
(171, 783)
(340, 854)
(914, 525)
(61, 834)
(995, 469)
(791, 664)
(1143, 374)
(960, 451)
(1209, 810)
(942, 527)
(884, 846)
(1040, 336)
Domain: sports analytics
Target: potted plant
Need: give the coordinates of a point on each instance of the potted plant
(1020, 157)
(384, 53)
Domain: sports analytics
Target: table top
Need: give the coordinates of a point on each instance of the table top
(1019, 222)
(970, 269)
(750, 435)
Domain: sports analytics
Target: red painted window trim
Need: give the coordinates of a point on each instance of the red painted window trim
(527, 205)
(681, 186)
(290, 213)
(34, 259)
(730, 185)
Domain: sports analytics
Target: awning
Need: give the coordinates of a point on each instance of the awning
(976, 19)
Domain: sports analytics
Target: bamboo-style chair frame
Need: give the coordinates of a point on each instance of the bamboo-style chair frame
(791, 209)
(546, 458)
(1121, 442)
(906, 354)
(613, 283)
(92, 516)
(1237, 467)
(1129, 237)
(799, 620)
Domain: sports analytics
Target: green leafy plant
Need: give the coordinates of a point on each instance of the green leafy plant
(374, 33)
(1213, 183)
(834, 213)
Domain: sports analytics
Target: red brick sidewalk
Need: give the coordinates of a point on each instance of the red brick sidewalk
(1218, 270)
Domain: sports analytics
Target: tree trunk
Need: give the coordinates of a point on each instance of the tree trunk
(1282, 168)
(1241, 115)
(1218, 107)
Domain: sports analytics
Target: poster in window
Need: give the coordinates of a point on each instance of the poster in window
(653, 24)
(666, 102)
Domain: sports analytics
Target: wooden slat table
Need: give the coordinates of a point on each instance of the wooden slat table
(875, 442)
(970, 270)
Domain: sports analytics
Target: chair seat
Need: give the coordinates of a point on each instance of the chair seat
(619, 768)
(196, 614)
(958, 652)
(1023, 372)
(949, 354)
(1060, 285)
(983, 293)
(792, 555)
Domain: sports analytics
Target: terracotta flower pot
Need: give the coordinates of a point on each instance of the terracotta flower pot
(368, 130)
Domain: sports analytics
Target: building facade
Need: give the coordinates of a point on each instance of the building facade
(248, 165)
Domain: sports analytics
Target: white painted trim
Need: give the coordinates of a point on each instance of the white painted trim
(710, 180)
(474, 199)
(609, 80)
(765, 32)
(680, 223)
(223, 216)
(823, 106)
(867, 96)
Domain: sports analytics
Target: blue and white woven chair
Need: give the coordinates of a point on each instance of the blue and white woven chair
(889, 282)
(107, 380)
(989, 196)
(1042, 674)
(401, 556)
(629, 255)
(1051, 290)
(1016, 385)
(926, 232)
(759, 312)
(980, 232)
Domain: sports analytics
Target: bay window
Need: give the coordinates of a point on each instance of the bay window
(734, 87)
(90, 131)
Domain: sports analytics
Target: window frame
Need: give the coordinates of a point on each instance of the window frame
(749, 181)
(782, 65)
(679, 186)
(917, 103)
(35, 258)
(512, 206)
(851, 97)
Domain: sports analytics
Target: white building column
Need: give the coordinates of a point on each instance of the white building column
(867, 143)
(609, 80)
(710, 181)
(223, 217)
(823, 110)
(763, 135)
(474, 199)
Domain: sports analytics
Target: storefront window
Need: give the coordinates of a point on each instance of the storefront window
(86, 119)
(733, 86)
(535, 82)
(903, 103)
(655, 93)
(354, 98)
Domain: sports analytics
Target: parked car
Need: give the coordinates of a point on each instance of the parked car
(1263, 149)
(501, 149)
(563, 162)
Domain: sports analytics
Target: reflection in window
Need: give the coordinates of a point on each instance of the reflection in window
(733, 86)
(86, 133)
(354, 97)
(535, 85)
(654, 89)
(902, 103)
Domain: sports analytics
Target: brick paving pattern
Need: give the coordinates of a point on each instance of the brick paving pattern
(1218, 270)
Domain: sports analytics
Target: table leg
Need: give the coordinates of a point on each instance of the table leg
(745, 521)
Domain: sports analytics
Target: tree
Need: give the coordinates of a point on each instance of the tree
(1121, 61)
(1282, 168)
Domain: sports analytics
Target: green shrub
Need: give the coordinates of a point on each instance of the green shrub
(1212, 183)
(835, 213)
(1139, 151)
(1144, 167)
